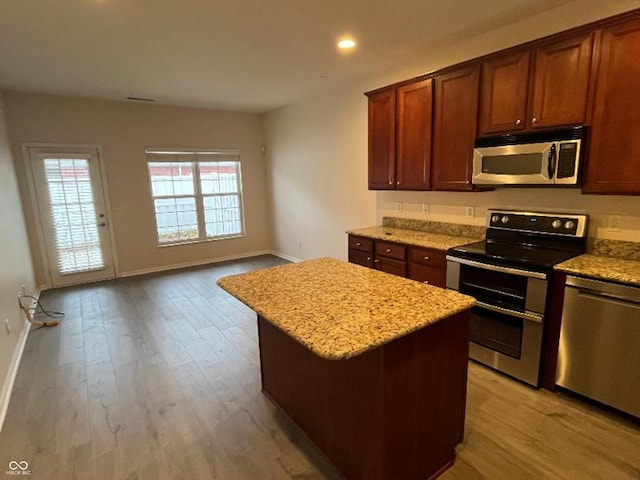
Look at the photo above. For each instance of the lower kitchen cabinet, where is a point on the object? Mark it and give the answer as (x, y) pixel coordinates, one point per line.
(389, 265)
(425, 265)
(361, 251)
(360, 258)
(428, 266)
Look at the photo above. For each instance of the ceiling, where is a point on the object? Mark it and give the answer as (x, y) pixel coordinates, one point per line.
(245, 55)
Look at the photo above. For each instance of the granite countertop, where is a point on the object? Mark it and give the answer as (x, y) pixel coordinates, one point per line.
(338, 309)
(603, 268)
(417, 238)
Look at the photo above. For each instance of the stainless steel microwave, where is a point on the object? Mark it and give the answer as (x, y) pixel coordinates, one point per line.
(540, 158)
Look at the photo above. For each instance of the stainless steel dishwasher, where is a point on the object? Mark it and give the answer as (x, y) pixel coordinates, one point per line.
(599, 354)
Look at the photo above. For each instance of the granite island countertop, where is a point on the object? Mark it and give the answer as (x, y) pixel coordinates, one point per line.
(338, 309)
(437, 241)
(603, 267)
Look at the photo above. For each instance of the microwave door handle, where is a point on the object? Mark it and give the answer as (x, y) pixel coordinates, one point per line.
(552, 161)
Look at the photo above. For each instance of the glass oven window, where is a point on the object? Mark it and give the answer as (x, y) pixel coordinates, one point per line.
(497, 331)
(496, 288)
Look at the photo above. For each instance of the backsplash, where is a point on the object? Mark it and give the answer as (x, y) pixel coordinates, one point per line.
(614, 248)
(455, 229)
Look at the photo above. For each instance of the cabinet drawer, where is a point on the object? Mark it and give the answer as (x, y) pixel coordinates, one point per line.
(391, 250)
(396, 267)
(360, 258)
(361, 243)
(429, 275)
(428, 256)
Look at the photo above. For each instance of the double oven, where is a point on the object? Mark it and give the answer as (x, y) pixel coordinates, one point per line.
(509, 275)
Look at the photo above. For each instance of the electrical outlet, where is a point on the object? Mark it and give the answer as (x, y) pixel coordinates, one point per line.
(470, 211)
(614, 223)
(7, 326)
(399, 206)
(425, 208)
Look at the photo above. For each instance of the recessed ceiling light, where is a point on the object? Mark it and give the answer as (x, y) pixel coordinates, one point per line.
(346, 43)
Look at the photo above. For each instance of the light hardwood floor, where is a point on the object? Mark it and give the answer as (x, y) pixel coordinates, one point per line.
(157, 377)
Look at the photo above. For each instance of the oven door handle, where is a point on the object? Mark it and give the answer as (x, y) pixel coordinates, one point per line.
(533, 317)
(497, 268)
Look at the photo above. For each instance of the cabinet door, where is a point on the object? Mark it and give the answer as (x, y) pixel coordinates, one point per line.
(361, 243)
(382, 140)
(395, 267)
(428, 257)
(614, 155)
(360, 258)
(391, 250)
(503, 94)
(413, 161)
(429, 275)
(454, 128)
(561, 83)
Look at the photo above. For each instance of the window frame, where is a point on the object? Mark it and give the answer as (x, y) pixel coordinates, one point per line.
(196, 157)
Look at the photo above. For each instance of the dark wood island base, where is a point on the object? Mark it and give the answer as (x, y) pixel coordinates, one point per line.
(394, 412)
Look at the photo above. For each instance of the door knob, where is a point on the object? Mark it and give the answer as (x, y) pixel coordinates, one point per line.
(102, 224)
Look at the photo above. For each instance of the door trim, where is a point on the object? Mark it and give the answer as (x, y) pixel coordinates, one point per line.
(35, 211)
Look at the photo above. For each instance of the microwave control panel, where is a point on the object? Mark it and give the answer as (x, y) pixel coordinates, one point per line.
(567, 158)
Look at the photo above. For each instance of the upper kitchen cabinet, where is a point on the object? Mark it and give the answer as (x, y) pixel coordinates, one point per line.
(400, 137)
(415, 112)
(613, 164)
(540, 88)
(503, 93)
(382, 140)
(454, 128)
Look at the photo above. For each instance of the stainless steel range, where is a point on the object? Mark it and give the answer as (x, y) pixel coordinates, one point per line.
(508, 274)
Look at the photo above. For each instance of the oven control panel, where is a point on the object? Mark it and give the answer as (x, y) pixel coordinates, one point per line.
(545, 223)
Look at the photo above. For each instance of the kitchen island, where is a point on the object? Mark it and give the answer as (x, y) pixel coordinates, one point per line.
(372, 367)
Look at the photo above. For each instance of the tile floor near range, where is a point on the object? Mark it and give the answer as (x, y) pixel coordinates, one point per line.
(157, 377)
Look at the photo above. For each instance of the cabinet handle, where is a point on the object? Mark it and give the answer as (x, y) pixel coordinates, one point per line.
(376, 261)
(390, 182)
(518, 122)
(358, 244)
(426, 258)
(388, 250)
(398, 182)
(368, 259)
(426, 281)
(534, 120)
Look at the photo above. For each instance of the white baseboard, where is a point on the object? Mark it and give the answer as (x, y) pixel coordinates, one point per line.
(285, 256)
(7, 388)
(197, 263)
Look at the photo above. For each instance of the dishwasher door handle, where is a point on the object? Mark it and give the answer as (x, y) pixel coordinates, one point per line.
(609, 298)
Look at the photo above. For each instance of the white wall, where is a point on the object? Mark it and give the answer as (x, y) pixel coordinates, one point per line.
(15, 267)
(124, 130)
(317, 152)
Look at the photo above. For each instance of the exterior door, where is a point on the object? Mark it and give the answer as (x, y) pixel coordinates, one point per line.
(71, 206)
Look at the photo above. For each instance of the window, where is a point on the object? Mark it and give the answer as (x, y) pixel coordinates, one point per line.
(197, 196)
